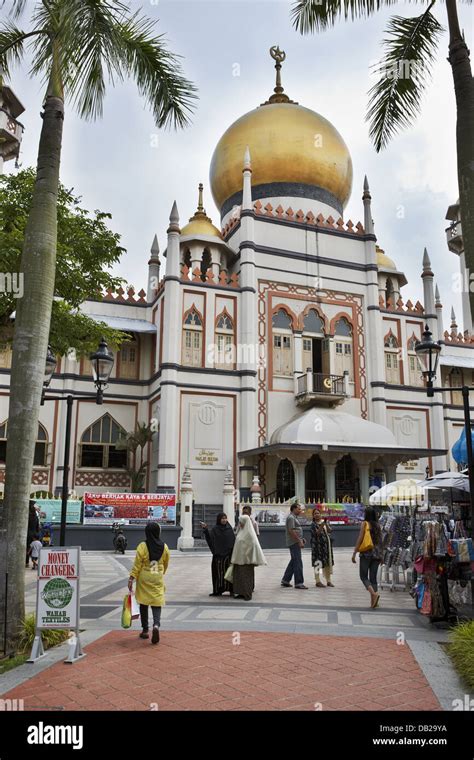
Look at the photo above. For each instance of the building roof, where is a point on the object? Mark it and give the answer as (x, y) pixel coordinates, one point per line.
(125, 323)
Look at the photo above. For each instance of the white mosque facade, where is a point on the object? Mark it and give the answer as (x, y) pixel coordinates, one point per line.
(280, 343)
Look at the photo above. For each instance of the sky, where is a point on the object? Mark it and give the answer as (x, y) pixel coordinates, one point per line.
(124, 165)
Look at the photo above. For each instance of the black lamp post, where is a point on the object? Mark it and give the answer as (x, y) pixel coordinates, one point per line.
(427, 352)
(102, 363)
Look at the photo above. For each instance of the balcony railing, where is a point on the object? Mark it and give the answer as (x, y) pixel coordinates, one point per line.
(318, 386)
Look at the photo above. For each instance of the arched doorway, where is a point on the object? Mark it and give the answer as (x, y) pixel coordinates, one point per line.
(347, 482)
(285, 481)
(314, 479)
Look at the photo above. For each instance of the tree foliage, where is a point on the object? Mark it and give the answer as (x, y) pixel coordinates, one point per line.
(87, 248)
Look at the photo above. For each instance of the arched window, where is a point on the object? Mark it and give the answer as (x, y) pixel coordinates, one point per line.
(191, 354)
(41, 446)
(313, 342)
(187, 258)
(315, 479)
(282, 344)
(97, 447)
(414, 372)
(344, 359)
(205, 263)
(285, 481)
(128, 359)
(392, 367)
(225, 356)
(347, 483)
(456, 381)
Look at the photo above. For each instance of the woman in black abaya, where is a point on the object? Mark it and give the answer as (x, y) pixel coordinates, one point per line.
(221, 541)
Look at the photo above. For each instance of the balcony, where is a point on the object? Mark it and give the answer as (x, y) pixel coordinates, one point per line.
(319, 388)
(454, 238)
(11, 132)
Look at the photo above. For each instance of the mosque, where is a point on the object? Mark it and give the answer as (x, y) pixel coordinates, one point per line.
(277, 342)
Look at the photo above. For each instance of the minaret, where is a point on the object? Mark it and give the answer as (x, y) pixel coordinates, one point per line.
(248, 423)
(153, 270)
(375, 356)
(428, 292)
(439, 314)
(366, 199)
(11, 130)
(454, 326)
(171, 330)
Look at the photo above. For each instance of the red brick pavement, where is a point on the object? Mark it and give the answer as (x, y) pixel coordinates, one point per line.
(207, 671)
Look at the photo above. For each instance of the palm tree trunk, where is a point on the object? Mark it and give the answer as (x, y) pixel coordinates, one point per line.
(464, 91)
(30, 342)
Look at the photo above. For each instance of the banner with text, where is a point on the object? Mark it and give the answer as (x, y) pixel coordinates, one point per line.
(57, 602)
(129, 508)
(50, 511)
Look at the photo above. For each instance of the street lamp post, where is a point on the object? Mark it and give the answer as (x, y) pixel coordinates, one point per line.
(427, 352)
(102, 362)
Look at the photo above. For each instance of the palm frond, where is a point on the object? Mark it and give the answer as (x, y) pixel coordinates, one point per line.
(11, 47)
(316, 15)
(157, 72)
(394, 101)
(16, 7)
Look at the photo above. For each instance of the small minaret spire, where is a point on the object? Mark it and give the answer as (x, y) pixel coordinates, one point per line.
(366, 199)
(247, 182)
(153, 270)
(439, 313)
(454, 326)
(426, 264)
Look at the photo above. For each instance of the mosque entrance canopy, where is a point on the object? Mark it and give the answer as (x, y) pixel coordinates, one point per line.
(320, 429)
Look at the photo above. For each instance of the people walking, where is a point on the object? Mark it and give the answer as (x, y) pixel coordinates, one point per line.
(247, 510)
(246, 556)
(33, 529)
(370, 547)
(221, 541)
(35, 548)
(295, 542)
(322, 557)
(151, 563)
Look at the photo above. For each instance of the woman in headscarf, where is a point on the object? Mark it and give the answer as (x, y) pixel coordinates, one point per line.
(221, 541)
(151, 563)
(322, 557)
(247, 555)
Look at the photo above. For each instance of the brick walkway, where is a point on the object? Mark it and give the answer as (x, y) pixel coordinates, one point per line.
(208, 671)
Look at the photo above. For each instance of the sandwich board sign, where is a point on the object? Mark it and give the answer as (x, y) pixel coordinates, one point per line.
(58, 597)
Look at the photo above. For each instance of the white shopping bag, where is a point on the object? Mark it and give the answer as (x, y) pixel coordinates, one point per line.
(135, 607)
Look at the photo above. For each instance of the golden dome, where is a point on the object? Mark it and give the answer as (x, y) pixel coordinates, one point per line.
(200, 224)
(292, 148)
(384, 261)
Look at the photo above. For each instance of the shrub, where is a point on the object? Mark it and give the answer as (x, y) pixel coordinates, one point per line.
(461, 650)
(51, 638)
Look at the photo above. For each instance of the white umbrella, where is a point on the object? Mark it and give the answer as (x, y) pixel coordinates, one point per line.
(405, 491)
(447, 480)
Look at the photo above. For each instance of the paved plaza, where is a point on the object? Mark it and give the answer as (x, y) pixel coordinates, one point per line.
(285, 649)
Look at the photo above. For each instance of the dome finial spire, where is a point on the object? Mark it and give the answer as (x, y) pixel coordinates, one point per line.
(279, 96)
(200, 202)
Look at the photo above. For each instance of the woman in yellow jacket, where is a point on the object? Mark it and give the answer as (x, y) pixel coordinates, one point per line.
(151, 563)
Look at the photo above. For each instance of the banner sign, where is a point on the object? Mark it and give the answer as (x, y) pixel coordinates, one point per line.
(129, 508)
(57, 600)
(336, 514)
(50, 511)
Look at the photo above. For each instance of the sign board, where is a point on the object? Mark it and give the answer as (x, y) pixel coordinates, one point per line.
(336, 514)
(129, 508)
(58, 598)
(57, 601)
(50, 511)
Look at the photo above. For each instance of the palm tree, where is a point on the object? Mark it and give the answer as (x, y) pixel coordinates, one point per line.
(404, 72)
(139, 439)
(77, 46)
